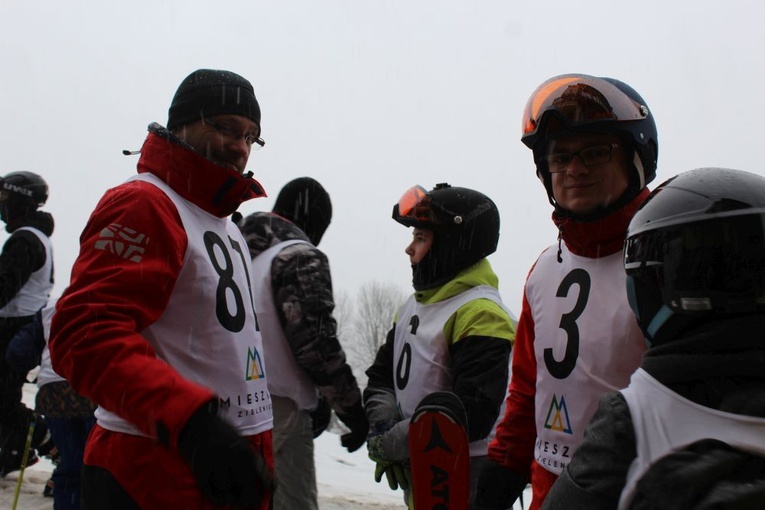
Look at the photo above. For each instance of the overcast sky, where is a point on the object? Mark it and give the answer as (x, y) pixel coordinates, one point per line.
(370, 98)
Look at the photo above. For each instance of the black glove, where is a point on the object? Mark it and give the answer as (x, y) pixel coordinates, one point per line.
(228, 469)
(320, 417)
(356, 420)
(498, 487)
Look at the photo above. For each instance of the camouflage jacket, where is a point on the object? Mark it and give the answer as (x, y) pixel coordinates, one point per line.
(302, 288)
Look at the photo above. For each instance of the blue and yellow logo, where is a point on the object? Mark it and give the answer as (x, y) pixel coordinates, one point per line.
(254, 368)
(557, 416)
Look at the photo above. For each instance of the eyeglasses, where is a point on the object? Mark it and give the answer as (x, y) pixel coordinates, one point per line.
(579, 99)
(593, 155)
(252, 140)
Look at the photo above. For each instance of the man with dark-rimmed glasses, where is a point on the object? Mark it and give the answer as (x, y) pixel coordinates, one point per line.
(158, 325)
(595, 148)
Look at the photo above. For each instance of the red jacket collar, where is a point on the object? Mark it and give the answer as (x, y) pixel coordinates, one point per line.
(601, 237)
(219, 191)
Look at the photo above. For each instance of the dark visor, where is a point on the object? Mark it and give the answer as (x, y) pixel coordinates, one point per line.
(711, 252)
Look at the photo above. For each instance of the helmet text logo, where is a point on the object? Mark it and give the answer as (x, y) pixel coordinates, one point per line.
(17, 189)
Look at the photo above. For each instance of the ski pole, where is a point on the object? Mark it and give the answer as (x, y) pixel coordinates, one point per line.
(28, 444)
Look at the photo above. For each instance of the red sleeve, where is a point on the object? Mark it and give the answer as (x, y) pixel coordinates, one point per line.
(513, 446)
(131, 252)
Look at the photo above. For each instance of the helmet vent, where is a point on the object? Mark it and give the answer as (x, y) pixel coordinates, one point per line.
(695, 304)
(727, 204)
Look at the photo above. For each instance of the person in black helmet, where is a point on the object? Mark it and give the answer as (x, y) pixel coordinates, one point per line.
(595, 146)
(157, 325)
(689, 430)
(464, 334)
(26, 279)
(308, 373)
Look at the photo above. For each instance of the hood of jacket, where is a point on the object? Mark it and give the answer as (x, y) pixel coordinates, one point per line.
(41, 220)
(480, 273)
(264, 229)
(215, 189)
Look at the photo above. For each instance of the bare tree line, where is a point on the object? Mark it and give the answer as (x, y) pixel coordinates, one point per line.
(363, 321)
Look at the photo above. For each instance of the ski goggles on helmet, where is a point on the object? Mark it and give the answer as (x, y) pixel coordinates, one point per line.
(414, 207)
(419, 208)
(579, 99)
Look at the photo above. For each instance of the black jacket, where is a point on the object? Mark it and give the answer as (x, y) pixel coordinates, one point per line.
(302, 288)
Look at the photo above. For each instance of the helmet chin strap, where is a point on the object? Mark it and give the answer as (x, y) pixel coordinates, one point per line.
(658, 321)
(638, 164)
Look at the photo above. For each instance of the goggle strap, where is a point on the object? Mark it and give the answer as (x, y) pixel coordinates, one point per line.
(640, 169)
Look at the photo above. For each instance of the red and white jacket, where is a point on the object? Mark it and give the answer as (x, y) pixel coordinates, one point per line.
(158, 319)
(577, 338)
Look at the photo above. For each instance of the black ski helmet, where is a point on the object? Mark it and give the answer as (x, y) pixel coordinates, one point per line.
(579, 102)
(306, 203)
(465, 224)
(21, 193)
(696, 248)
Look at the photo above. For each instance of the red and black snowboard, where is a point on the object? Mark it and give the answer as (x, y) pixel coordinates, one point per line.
(439, 454)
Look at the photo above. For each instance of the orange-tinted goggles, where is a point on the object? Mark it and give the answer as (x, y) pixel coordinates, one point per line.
(414, 204)
(580, 99)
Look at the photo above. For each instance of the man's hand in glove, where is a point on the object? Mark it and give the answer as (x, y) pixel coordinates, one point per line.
(498, 487)
(321, 417)
(228, 469)
(389, 441)
(355, 419)
(397, 473)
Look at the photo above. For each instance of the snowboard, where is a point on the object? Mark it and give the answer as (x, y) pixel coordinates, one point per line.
(438, 453)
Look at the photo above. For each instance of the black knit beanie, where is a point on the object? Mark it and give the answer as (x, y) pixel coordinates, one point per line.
(209, 92)
(305, 203)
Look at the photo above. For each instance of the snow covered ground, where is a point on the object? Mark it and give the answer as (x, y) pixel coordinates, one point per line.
(345, 480)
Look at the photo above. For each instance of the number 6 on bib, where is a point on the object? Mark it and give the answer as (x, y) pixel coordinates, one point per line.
(439, 454)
